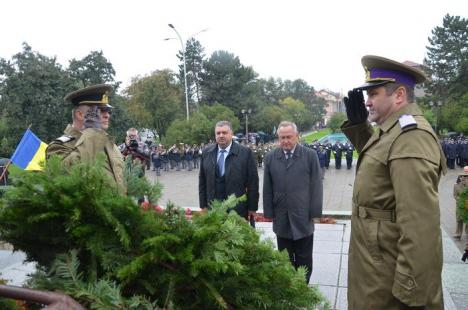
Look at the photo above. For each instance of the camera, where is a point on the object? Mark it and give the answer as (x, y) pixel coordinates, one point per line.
(133, 144)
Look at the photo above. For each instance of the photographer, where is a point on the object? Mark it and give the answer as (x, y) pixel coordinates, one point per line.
(137, 150)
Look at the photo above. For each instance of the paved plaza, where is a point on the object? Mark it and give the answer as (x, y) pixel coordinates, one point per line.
(331, 241)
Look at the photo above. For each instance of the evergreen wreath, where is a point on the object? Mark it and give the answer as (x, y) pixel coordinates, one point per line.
(106, 252)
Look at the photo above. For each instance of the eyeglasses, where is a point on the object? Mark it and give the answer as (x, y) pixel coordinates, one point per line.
(106, 110)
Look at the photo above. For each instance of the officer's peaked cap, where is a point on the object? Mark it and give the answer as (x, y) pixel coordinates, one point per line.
(91, 95)
(381, 71)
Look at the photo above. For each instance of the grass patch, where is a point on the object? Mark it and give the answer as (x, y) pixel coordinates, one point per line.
(308, 138)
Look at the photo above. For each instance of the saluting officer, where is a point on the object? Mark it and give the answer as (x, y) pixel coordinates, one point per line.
(64, 145)
(395, 254)
(94, 139)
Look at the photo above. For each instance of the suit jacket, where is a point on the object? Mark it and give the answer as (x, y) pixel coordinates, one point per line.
(241, 177)
(292, 192)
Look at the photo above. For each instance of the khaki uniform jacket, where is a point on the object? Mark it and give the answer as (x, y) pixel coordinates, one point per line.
(65, 144)
(395, 248)
(94, 141)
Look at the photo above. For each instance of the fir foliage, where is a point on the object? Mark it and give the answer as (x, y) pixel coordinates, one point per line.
(137, 186)
(108, 253)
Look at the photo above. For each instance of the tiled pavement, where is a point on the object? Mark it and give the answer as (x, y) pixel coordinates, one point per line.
(330, 260)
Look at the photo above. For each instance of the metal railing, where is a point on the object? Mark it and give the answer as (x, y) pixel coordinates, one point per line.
(52, 300)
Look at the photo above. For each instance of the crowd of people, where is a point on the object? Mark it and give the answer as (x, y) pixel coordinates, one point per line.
(456, 151)
(178, 157)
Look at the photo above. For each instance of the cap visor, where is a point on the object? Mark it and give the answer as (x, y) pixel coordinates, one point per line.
(368, 85)
(105, 106)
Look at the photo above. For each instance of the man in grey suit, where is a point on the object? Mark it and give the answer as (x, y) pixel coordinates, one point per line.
(292, 195)
(228, 168)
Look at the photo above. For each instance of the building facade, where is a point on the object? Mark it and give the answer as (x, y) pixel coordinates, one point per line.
(334, 103)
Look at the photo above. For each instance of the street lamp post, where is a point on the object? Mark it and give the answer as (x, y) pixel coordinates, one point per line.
(246, 113)
(185, 69)
(437, 105)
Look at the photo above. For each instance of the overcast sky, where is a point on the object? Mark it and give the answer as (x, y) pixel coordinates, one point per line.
(320, 41)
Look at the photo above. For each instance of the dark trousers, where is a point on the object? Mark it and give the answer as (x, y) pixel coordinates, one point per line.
(451, 163)
(300, 252)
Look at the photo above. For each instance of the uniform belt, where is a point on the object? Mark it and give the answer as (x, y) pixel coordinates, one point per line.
(375, 214)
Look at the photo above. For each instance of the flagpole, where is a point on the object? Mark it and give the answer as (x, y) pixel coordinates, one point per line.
(5, 170)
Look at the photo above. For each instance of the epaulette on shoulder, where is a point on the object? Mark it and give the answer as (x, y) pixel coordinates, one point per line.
(407, 121)
(65, 138)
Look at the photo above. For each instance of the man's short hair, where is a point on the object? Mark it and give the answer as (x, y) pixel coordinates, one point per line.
(132, 131)
(83, 108)
(287, 124)
(224, 123)
(391, 87)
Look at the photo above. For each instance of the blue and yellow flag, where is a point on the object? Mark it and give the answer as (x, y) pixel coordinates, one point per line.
(29, 152)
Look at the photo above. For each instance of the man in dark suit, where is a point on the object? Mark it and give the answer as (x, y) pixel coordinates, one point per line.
(228, 168)
(292, 195)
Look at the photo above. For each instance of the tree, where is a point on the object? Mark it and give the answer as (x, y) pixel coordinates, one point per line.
(447, 65)
(92, 69)
(300, 115)
(272, 91)
(225, 80)
(447, 53)
(218, 113)
(194, 56)
(336, 120)
(154, 101)
(269, 117)
(32, 88)
(200, 127)
(197, 130)
(455, 115)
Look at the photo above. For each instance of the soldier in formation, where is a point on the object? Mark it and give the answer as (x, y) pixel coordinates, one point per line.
(456, 151)
(338, 154)
(349, 150)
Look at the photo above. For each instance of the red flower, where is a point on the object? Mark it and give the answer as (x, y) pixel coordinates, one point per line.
(145, 205)
(158, 209)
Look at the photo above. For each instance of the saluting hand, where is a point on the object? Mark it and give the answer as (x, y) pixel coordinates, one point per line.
(93, 118)
(355, 107)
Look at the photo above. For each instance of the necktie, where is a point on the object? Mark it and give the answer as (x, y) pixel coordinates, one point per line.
(288, 156)
(221, 163)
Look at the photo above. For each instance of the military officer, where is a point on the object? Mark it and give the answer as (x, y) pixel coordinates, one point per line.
(94, 139)
(395, 255)
(64, 144)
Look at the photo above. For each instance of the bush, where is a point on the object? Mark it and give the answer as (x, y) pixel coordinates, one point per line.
(336, 121)
(108, 253)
